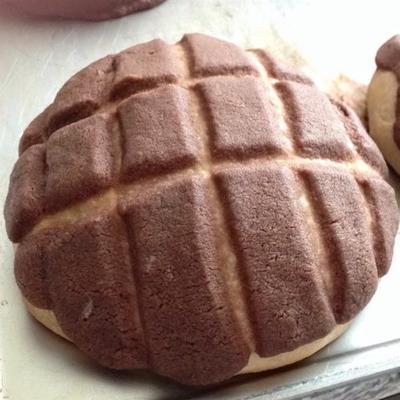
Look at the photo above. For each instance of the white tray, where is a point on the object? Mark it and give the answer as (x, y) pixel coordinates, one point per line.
(36, 57)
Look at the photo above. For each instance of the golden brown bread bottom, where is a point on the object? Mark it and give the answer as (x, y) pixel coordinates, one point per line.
(255, 364)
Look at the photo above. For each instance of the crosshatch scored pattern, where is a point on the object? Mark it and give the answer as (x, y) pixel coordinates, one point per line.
(195, 203)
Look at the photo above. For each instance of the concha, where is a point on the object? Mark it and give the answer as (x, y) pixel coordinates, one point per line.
(198, 210)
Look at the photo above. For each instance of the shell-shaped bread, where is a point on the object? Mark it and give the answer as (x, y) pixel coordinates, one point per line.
(198, 210)
(383, 104)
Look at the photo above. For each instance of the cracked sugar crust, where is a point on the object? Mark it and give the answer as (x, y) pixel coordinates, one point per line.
(187, 208)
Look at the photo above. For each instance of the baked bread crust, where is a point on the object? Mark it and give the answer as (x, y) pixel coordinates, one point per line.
(95, 10)
(185, 207)
(382, 102)
(255, 364)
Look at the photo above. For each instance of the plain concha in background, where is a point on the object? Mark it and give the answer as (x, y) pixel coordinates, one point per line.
(198, 210)
(382, 102)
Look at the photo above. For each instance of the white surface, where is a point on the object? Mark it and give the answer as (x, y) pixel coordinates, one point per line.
(36, 58)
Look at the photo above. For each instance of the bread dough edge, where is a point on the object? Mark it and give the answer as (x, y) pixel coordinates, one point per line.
(255, 364)
(381, 105)
(258, 364)
(45, 317)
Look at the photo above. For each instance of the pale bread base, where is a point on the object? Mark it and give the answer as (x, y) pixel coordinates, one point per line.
(46, 317)
(381, 104)
(255, 364)
(258, 364)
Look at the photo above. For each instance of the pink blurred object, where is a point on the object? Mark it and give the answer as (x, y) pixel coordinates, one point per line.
(84, 9)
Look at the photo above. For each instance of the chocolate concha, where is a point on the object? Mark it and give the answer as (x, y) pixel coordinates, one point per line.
(198, 210)
(84, 9)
